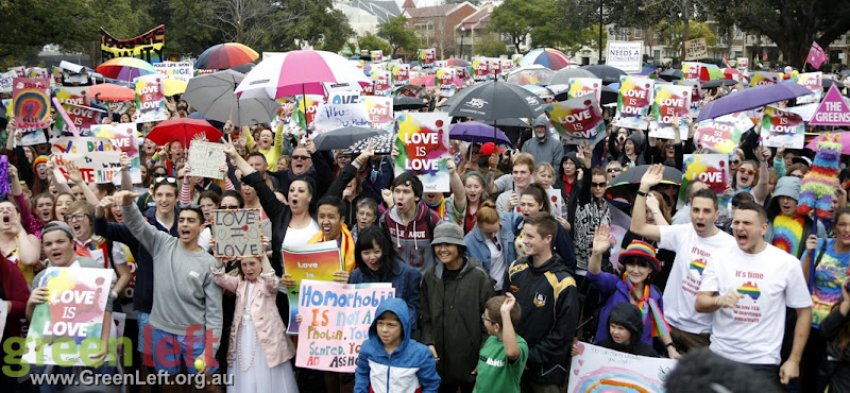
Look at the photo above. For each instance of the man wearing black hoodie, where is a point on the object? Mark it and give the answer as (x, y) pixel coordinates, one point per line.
(542, 286)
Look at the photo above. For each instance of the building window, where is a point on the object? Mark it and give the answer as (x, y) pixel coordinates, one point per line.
(639, 33)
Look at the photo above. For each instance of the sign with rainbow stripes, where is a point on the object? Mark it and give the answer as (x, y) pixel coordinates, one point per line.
(598, 369)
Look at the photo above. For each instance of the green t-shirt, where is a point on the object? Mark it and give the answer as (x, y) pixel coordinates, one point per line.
(496, 374)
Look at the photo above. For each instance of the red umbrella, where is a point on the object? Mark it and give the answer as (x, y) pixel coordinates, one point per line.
(184, 130)
(112, 92)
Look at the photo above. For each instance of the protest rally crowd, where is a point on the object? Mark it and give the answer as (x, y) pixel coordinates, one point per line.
(686, 230)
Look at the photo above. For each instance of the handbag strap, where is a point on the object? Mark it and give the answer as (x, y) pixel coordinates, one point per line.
(812, 266)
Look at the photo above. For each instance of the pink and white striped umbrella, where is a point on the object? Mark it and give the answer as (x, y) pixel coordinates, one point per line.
(299, 72)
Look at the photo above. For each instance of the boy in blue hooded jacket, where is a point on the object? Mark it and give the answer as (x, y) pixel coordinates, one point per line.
(390, 361)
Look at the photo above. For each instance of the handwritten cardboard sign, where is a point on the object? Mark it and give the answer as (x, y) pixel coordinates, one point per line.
(237, 233)
(207, 159)
(97, 158)
(696, 49)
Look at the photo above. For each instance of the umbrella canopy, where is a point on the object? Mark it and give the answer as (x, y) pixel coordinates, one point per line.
(671, 74)
(125, 68)
(751, 98)
(607, 73)
(409, 91)
(299, 72)
(530, 75)
(184, 130)
(540, 91)
(563, 76)
(224, 56)
(407, 103)
(495, 100)
(547, 57)
(214, 96)
(473, 131)
(343, 138)
(454, 62)
(717, 83)
(632, 176)
(110, 92)
(172, 87)
(845, 141)
(383, 144)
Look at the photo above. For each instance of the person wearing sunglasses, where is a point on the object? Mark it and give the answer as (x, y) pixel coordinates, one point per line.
(306, 163)
(753, 177)
(586, 213)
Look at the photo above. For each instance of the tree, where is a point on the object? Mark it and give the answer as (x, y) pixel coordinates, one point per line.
(489, 45)
(394, 30)
(320, 26)
(370, 42)
(514, 19)
(792, 24)
(672, 34)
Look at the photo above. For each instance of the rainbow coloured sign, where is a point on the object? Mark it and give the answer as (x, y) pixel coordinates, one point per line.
(318, 261)
(596, 370)
(761, 78)
(634, 101)
(63, 328)
(583, 86)
(401, 74)
(781, 128)
(577, 120)
(814, 82)
(480, 69)
(722, 135)
(422, 140)
(123, 136)
(150, 99)
(31, 103)
(671, 102)
(336, 321)
(427, 57)
(713, 171)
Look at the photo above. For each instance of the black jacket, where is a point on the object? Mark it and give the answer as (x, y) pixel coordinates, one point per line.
(548, 298)
(627, 315)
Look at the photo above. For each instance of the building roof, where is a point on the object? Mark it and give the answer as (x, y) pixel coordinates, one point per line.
(435, 11)
(408, 4)
(478, 19)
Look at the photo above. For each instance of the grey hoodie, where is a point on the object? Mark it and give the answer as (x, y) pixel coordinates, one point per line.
(184, 293)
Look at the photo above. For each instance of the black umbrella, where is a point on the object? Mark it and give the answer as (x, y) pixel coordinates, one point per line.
(827, 83)
(342, 138)
(632, 177)
(383, 144)
(495, 100)
(608, 96)
(401, 103)
(671, 74)
(717, 83)
(607, 73)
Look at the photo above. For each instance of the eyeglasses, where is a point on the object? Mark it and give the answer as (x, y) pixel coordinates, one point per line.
(74, 217)
(613, 170)
(601, 185)
(166, 179)
(300, 158)
(484, 318)
(746, 171)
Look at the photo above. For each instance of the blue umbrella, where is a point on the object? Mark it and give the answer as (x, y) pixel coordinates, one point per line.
(752, 98)
(473, 131)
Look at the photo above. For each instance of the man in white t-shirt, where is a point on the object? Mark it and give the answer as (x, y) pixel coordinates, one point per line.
(748, 294)
(696, 245)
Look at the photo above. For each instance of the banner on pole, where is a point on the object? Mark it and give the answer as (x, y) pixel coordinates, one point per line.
(625, 55)
(147, 46)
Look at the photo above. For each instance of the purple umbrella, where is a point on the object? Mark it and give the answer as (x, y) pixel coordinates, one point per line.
(752, 98)
(473, 131)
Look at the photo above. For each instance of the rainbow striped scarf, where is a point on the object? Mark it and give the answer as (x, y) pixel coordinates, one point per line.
(648, 307)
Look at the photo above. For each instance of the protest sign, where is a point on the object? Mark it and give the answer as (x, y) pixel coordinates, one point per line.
(83, 117)
(634, 101)
(377, 55)
(427, 57)
(150, 99)
(670, 102)
(696, 95)
(147, 46)
(4, 314)
(814, 82)
(207, 159)
(625, 55)
(579, 87)
(577, 120)
(333, 116)
(505, 65)
(97, 158)
(742, 64)
(382, 82)
(71, 319)
(123, 136)
(722, 135)
(31, 102)
(445, 78)
(298, 111)
(423, 145)
(833, 110)
(761, 78)
(691, 71)
(179, 70)
(598, 369)
(380, 110)
(318, 261)
(6, 80)
(401, 74)
(780, 128)
(336, 321)
(480, 69)
(237, 233)
(696, 49)
(72, 95)
(713, 171)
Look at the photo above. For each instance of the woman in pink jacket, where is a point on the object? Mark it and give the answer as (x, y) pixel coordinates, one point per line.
(260, 353)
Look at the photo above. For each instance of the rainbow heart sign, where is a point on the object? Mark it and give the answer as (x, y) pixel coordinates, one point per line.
(711, 169)
(781, 128)
(578, 120)
(446, 78)
(579, 87)
(634, 101)
(427, 57)
(722, 135)
(382, 82)
(380, 111)
(671, 102)
(600, 370)
(814, 82)
(422, 140)
(401, 74)
(150, 99)
(761, 78)
(31, 103)
(480, 69)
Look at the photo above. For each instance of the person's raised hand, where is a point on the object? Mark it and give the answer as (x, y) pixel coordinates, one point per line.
(451, 166)
(74, 173)
(125, 197)
(601, 239)
(508, 304)
(287, 281)
(229, 149)
(654, 174)
(811, 243)
(124, 161)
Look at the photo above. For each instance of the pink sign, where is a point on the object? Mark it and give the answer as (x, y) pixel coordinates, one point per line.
(833, 110)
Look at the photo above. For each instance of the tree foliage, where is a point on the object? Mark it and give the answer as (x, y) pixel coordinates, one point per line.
(514, 20)
(548, 23)
(396, 33)
(672, 34)
(792, 24)
(489, 45)
(371, 42)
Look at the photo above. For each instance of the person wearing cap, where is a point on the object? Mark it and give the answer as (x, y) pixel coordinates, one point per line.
(544, 147)
(454, 293)
(788, 230)
(635, 286)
